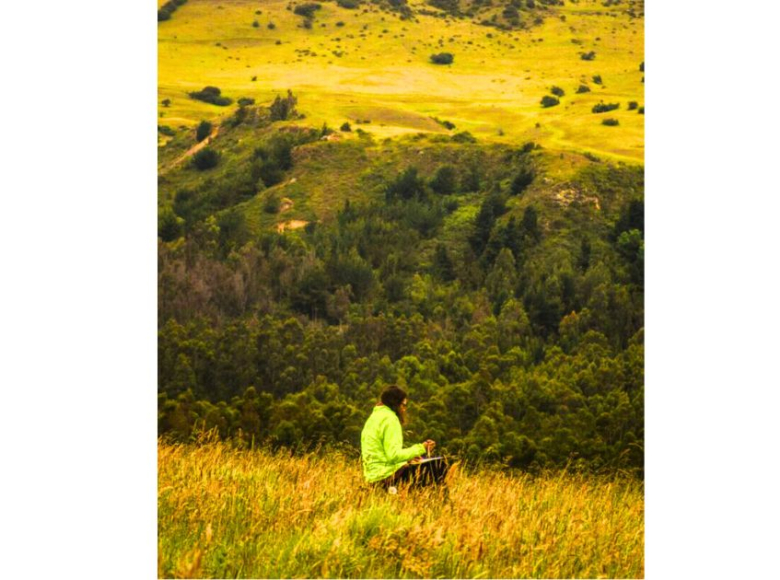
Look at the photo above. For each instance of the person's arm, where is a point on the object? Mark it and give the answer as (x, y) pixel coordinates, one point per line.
(393, 442)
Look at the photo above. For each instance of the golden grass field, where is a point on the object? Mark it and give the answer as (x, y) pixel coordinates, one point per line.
(227, 513)
(493, 88)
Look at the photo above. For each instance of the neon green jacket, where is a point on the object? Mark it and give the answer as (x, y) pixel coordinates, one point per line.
(382, 443)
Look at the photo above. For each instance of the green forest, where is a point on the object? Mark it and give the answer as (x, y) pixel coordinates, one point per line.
(501, 286)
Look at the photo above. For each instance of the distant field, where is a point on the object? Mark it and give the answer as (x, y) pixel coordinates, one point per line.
(251, 514)
(376, 67)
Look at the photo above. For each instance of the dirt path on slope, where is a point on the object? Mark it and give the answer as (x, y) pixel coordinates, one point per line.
(191, 151)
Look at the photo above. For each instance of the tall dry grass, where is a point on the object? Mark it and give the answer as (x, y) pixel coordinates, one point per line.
(228, 513)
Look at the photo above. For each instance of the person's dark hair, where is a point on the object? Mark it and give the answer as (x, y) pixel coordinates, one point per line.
(393, 396)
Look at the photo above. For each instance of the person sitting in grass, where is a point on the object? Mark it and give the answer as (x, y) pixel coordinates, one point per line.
(385, 461)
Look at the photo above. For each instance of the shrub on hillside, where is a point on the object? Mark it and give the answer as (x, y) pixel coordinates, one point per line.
(272, 204)
(166, 130)
(407, 185)
(163, 15)
(283, 108)
(348, 4)
(642, 66)
(169, 225)
(255, 24)
(442, 58)
(548, 101)
(212, 95)
(597, 79)
(583, 89)
(205, 159)
(603, 107)
(346, 127)
(444, 180)
(588, 55)
(464, 137)
(307, 9)
(641, 110)
(271, 26)
(632, 105)
(245, 101)
(203, 131)
(610, 122)
(557, 91)
(522, 180)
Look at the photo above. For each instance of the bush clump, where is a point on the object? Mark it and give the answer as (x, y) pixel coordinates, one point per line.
(212, 95)
(346, 127)
(464, 137)
(610, 122)
(166, 130)
(588, 55)
(522, 180)
(348, 4)
(557, 91)
(603, 107)
(205, 159)
(307, 9)
(203, 131)
(444, 180)
(442, 58)
(632, 105)
(283, 108)
(548, 101)
(272, 204)
(245, 101)
(583, 89)
(641, 110)
(597, 79)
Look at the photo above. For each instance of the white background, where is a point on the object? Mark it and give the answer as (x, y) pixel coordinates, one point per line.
(77, 308)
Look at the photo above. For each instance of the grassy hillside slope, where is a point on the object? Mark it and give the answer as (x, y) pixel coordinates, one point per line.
(370, 64)
(252, 514)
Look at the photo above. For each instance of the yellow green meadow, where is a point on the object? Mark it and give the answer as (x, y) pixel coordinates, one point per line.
(375, 66)
(231, 513)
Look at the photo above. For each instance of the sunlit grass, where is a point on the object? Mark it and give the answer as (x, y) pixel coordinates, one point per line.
(493, 88)
(227, 513)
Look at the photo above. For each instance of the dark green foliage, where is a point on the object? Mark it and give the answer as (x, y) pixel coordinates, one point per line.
(203, 131)
(346, 127)
(549, 101)
(523, 178)
(642, 66)
(583, 89)
(163, 15)
(255, 24)
(408, 185)
(442, 264)
(641, 110)
(518, 332)
(169, 226)
(603, 107)
(588, 55)
(211, 95)
(245, 101)
(271, 26)
(449, 6)
(632, 105)
(205, 159)
(272, 204)
(444, 180)
(348, 4)
(283, 108)
(166, 102)
(610, 122)
(557, 91)
(166, 130)
(442, 58)
(307, 9)
(464, 137)
(597, 79)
